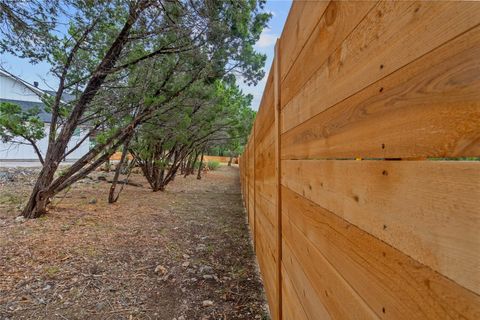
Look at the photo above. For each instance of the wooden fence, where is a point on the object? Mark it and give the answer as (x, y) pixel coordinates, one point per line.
(219, 159)
(350, 215)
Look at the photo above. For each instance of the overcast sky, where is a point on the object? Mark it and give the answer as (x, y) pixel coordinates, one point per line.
(279, 9)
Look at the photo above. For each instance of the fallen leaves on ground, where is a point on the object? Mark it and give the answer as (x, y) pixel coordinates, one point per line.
(180, 254)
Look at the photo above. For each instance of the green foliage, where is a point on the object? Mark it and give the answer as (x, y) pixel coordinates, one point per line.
(15, 122)
(163, 71)
(213, 165)
(34, 20)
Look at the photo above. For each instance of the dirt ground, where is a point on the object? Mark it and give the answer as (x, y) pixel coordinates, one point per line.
(180, 254)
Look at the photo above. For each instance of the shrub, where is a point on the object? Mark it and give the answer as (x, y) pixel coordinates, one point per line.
(213, 165)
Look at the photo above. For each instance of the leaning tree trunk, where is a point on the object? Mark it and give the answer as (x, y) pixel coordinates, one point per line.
(190, 164)
(40, 196)
(199, 174)
(191, 170)
(44, 189)
(111, 196)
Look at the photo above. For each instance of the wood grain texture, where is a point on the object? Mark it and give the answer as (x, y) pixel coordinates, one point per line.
(321, 288)
(345, 239)
(304, 288)
(338, 20)
(265, 165)
(301, 20)
(267, 207)
(427, 209)
(264, 254)
(292, 307)
(392, 35)
(430, 108)
(265, 115)
(394, 285)
(250, 186)
(277, 199)
(268, 228)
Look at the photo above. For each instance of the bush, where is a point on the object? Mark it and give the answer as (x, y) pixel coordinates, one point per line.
(213, 165)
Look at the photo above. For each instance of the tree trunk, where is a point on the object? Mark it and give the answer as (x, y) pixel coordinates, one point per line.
(41, 194)
(199, 174)
(191, 170)
(111, 196)
(44, 189)
(230, 160)
(107, 165)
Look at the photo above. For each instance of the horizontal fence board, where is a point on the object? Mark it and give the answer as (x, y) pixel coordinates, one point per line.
(303, 287)
(430, 108)
(267, 208)
(265, 114)
(219, 159)
(292, 307)
(265, 174)
(251, 208)
(265, 145)
(266, 258)
(326, 289)
(392, 35)
(339, 19)
(394, 285)
(427, 209)
(394, 235)
(266, 191)
(264, 254)
(268, 230)
(301, 20)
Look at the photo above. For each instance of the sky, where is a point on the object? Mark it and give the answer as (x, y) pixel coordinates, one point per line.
(266, 44)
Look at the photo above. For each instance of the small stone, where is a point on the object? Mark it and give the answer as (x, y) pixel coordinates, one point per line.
(20, 219)
(185, 264)
(92, 201)
(160, 269)
(7, 177)
(204, 269)
(186, 256)
(181, 318)
(207, 277)
(207, 303)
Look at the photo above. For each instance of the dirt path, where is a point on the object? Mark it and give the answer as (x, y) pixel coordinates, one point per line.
(181, 254)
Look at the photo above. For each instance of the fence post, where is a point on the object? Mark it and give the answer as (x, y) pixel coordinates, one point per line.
(254, 192)
(277, 82)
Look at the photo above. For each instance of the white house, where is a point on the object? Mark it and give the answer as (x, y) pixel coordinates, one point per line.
(17, 91)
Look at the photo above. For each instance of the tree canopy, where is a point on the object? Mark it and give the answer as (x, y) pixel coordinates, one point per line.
(159, 73)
